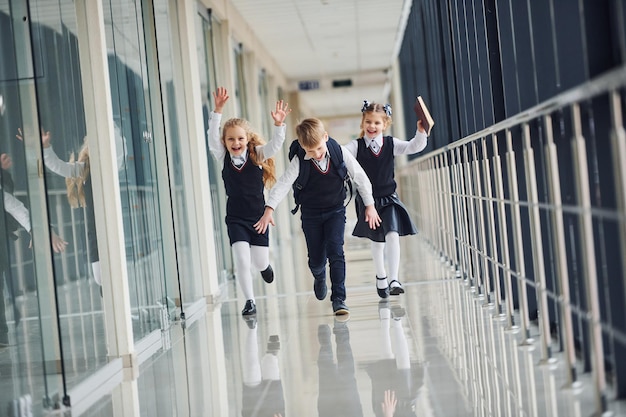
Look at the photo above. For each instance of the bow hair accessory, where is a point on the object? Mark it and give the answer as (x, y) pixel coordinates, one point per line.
(366, 104)
(387, 109)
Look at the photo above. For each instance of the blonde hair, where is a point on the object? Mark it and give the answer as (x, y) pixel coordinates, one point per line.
(254, 140)
(76, 185)
(375, 108)
(310, 132)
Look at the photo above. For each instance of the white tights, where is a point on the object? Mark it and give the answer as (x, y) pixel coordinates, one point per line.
(247, 257)
(389, 249)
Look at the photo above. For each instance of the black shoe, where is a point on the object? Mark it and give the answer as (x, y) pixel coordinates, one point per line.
(319, 287)
(268, 274)
(273, 344)
(249, 309)
(382, 292)
(339, 307)
(395, 290)
(250, 321)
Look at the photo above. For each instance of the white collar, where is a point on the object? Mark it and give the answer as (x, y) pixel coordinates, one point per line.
(378, 139)
(243, 157)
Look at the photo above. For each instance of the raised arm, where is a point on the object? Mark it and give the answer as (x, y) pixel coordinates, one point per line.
(215, 118)
(415, 145)
(272, 147)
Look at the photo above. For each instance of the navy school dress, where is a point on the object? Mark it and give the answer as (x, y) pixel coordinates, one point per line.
(380, 170)
(245, 203)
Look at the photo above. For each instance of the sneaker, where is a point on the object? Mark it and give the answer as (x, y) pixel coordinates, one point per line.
(319, 287)
(249, 309)
(268, 274)
(339, 307)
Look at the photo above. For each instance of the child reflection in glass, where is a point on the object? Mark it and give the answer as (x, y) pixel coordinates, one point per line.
(262, 391)
(79, 188)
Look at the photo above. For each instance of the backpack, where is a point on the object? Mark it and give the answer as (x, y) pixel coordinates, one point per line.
(336, 155)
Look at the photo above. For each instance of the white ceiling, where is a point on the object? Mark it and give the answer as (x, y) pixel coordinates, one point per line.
(326, 40)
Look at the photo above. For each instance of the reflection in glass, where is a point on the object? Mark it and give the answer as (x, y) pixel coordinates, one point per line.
(338, 393)
(132, 112)
(262, 387)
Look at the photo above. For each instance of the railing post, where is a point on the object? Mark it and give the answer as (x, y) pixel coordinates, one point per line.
(560, 253)
(537, 245)
(481, 239)
(504, 236)
(588, 257)
(518, 239)
(491, 222)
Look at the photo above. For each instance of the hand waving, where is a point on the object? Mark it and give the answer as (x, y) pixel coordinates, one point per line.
(221, 97)
(281, 112)
(45, 137)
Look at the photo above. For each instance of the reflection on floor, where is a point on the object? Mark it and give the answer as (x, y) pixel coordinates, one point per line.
(437, 348)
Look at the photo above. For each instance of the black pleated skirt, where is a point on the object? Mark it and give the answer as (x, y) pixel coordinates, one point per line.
(395, 218)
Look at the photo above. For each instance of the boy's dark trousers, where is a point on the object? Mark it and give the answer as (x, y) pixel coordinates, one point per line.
(324, 233)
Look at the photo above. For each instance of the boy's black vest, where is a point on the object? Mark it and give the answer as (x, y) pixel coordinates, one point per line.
(327, 193)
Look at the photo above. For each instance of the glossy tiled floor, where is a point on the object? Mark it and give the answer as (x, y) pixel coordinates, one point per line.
(296, 359)
(438, 347)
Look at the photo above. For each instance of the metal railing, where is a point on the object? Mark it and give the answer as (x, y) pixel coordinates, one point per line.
(530, 214)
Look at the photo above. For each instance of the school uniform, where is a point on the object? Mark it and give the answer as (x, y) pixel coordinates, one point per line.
(377, 157)
(243, 182)
(323, 213)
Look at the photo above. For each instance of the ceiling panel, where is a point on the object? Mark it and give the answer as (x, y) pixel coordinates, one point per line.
(325, 40)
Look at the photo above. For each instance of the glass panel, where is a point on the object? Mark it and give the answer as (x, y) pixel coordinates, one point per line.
(132, 114)
(206, 60)
(178, 154)
(240, 83)
(30, 355)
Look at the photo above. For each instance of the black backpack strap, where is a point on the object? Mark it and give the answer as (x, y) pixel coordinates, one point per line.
(336, 154)
(295, 150)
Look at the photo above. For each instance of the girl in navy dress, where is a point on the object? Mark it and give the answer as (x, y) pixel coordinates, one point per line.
(248, 167)
(375, 153)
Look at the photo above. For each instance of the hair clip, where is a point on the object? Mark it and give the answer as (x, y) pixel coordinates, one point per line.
(366, 104)
(387, 109)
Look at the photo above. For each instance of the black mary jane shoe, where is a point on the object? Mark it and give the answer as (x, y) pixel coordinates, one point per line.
(382, 292)
(268, 274)
(395, 290)
(249, 309)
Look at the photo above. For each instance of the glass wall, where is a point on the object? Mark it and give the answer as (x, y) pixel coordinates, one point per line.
(207, 37)
(177, 153)
(52, 321)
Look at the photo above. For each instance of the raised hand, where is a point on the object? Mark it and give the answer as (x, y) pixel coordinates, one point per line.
(221, 97)
(45, 137)
(281, 112)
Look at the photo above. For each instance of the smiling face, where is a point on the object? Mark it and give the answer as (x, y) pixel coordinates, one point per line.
(373, 123)
(235, 140)
(317, 151)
